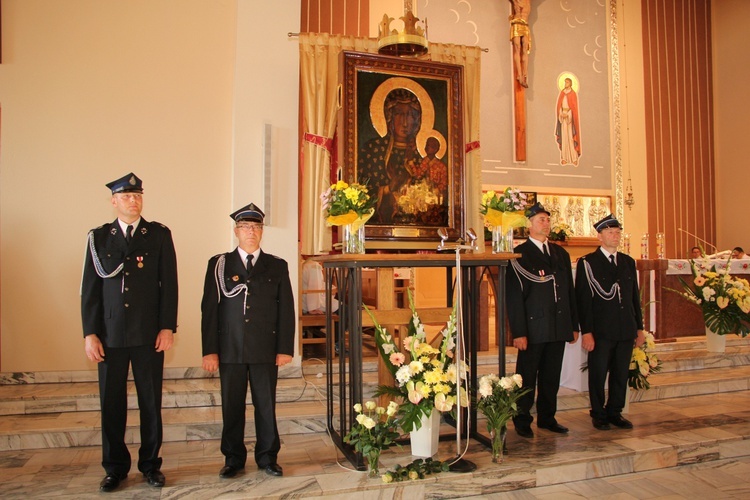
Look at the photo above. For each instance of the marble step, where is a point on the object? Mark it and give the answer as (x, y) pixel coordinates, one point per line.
(192, 391)
(84, 396)
(81, 428)
(62, 430)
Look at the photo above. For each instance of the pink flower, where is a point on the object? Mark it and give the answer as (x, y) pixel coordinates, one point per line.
(397, 359)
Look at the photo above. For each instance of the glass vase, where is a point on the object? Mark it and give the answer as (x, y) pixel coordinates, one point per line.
(502, 239)
(353, 240)
(373, 463)
(497, 436)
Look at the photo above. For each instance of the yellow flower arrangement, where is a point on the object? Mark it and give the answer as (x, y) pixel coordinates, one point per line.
(504, 209)
(425, 375)
(345, 203)
(724, 299)
(643, 363)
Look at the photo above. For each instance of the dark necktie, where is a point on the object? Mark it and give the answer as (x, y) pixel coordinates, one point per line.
(545, 250)
(128, 234)
(249, 263)
(612, 260)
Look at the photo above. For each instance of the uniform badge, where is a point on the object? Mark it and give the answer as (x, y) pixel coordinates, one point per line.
(235, 278)
(140, 261)
(144, 230)
(113, 231)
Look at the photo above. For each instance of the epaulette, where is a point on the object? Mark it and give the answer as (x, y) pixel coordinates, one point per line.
(158, 224)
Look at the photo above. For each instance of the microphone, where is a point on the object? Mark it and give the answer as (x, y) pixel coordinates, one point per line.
(698, 238)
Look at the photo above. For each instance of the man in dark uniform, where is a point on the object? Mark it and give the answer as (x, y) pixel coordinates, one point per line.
(129, 311)
(609, 306)
(542, 316)
(248, 329)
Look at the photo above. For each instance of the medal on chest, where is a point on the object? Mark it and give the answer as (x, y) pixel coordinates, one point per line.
(140, 261)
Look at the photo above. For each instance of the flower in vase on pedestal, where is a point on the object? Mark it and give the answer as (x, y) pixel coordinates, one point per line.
(349, 206)
(373, 432)
(723, 299)
(498, 402)
(502, 213)
(425, 376)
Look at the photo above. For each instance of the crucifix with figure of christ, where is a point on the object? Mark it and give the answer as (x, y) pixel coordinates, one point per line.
(520, 37)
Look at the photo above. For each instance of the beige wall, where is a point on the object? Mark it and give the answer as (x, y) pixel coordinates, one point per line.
(731, 60)
(90, 90)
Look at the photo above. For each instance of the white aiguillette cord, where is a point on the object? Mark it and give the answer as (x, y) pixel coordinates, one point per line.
(522, 272)
(221, 287)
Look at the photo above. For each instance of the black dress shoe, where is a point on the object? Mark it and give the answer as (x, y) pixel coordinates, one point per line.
(273, 470)
(229, 471)
(524, 431)
(620, 422)
(110, 483)
(601, 424)
(560, 429)
(155, 478)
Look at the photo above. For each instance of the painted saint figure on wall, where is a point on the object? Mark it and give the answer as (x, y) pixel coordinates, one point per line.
(568, 125)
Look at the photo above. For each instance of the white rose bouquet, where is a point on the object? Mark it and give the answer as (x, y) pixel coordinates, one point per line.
(374, 431)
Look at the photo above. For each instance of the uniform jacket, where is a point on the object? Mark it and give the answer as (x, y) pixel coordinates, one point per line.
(130, 308)
(616, 319)
(532, 310)
(253, 328)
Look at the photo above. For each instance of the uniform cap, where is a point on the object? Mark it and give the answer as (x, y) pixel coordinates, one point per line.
(608, 221)
(536, 208)
(127, 184)
(249, 212)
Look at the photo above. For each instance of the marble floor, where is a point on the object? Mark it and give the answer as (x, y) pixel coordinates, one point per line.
(689, 447)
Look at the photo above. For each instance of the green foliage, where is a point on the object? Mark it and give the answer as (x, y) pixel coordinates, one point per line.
(342, 198)
(375, 428)
(418, 469)
(497, 398)
(510, 200)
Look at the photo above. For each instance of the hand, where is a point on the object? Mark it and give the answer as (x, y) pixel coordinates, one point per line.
(211, 362)
(521, 343)
(575, 338)
(164, 340)
(587, 342)
(93, 348)
(282, 359)
(640, 339)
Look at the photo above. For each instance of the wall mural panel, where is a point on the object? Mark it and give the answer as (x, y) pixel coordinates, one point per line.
(568, 128)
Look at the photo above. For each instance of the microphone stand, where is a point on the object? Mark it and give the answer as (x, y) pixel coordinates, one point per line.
(698, 238)
(459, 464)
